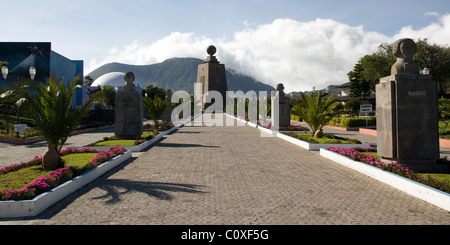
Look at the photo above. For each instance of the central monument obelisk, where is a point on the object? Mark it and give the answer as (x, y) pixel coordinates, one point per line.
(211, 76)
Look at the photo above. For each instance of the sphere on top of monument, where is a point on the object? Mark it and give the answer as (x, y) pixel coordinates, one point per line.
(211, 50)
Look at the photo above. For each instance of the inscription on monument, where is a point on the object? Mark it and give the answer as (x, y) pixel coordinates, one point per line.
(417, 93)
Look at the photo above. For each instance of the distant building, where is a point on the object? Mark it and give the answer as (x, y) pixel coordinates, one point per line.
(345, 94)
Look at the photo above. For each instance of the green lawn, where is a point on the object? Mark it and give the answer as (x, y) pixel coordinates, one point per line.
(17, 180)
(121, 142)
(326, 139)
(114, 142)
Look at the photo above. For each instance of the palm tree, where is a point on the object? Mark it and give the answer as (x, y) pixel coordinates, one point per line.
(155, 108)
(49, 107)
(316, 112)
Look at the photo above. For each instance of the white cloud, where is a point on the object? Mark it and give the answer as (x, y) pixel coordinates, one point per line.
(298, 54)
(431, 14)
(435, 32)
(174, 45)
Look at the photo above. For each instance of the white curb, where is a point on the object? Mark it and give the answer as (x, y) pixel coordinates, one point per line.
(421, 191)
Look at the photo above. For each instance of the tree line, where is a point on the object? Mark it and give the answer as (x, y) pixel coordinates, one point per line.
(370, 68)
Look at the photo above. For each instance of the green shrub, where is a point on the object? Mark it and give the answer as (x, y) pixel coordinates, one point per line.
(335, 121)
(352, 122)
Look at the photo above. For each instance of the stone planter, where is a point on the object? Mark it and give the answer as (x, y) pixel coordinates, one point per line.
(316, 146)
(29, 208)
(421, 191)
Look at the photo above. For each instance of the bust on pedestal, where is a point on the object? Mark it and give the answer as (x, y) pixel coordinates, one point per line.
(407, 118)
(282, 111)
(128, 111)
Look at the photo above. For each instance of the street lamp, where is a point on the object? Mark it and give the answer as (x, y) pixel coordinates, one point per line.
(4, 72)
(32, 72)
(426, 71)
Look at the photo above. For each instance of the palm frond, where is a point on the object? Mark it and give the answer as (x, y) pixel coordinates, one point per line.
(49, 107)
(315, 111)
(155, 108)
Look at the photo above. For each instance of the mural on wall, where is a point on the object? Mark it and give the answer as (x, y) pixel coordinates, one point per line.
(22, 56)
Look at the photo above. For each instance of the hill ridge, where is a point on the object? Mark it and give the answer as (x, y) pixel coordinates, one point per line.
(178, 74)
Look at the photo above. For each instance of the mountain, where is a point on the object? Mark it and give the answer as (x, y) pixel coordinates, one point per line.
(178, 74)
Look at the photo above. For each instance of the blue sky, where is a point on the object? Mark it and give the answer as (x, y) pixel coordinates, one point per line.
(100, 31)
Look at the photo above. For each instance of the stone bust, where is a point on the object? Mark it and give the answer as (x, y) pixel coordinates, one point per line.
(168, 95)
(404, 50)
(129, 78)
(280, 89)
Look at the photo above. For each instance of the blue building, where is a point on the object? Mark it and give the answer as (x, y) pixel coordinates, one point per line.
(21, 56)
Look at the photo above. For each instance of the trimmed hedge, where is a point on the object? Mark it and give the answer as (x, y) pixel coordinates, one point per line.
(348, 122)
(354, 122)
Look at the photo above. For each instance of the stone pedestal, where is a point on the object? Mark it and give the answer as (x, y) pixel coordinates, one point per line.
(128, 111)
(407, 121)
(166, 117)
(282, 110)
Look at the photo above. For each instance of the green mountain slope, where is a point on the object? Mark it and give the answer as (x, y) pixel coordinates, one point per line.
(178, 74)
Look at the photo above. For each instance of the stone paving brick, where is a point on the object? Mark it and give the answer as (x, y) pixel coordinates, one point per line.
(232, 176)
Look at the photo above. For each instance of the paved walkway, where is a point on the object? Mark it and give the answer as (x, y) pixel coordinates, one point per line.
(232, 176)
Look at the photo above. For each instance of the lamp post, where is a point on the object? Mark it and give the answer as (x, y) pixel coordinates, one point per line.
(4, 72)
(32, 72)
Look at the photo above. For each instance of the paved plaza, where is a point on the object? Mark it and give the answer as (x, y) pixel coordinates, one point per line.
(227, 175)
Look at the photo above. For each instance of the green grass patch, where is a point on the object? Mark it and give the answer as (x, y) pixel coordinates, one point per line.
(326, 139)
(114, 141)
(17, 180)
(444, 178)
(373, 154)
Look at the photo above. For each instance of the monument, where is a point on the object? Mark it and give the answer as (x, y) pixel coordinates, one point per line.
(166, 117)
(211, 76)
(407, 117)
(128, 110)
(280, 111)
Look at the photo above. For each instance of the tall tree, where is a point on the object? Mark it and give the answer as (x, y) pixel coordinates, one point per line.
(152, 90)
(436, 58)
(359, 87)
(377, 65)
(432, 56)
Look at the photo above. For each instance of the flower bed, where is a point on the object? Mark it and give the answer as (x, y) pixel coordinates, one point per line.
(57, 177)
(59, 184)
(423, 187)
(161, 127)
(358, 154)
